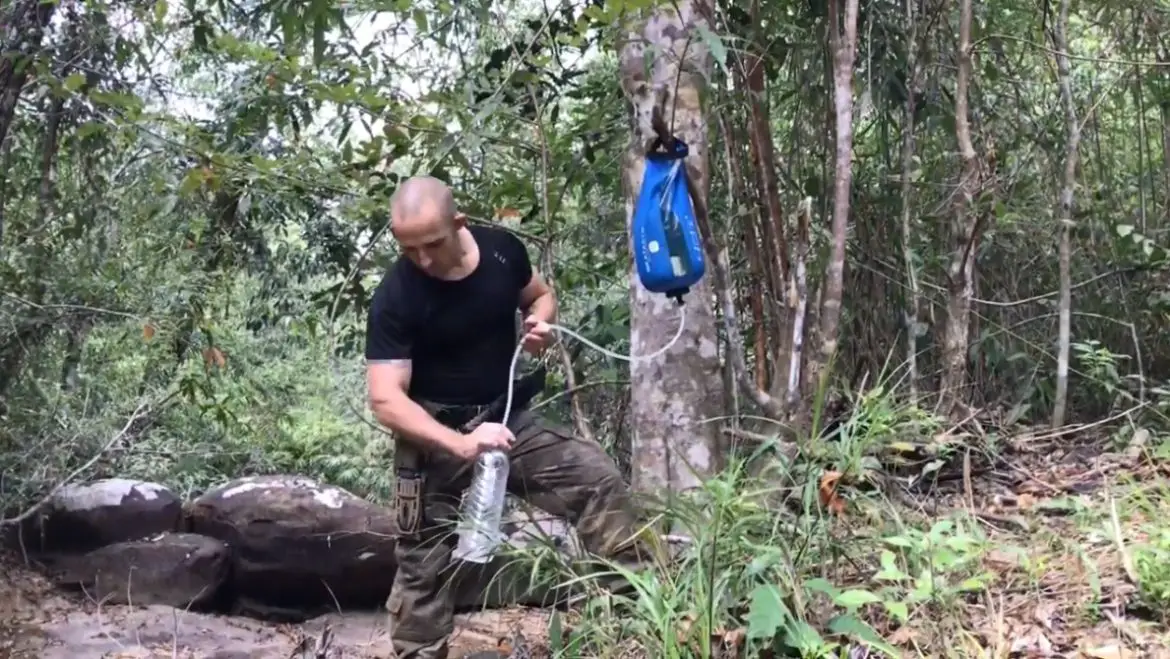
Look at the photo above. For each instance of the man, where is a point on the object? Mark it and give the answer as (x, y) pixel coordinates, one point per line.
(439, 343)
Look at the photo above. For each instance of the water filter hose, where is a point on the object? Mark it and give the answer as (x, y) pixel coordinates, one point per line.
(483, 505)
(560, 329)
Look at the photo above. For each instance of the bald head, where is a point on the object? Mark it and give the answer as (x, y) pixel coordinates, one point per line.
(422, 199)
(424, 222)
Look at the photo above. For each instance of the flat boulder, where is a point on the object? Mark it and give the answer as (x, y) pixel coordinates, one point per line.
(182, 570)
(85, 516)
(299, 546)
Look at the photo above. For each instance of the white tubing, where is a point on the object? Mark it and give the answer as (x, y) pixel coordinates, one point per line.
(682, 317)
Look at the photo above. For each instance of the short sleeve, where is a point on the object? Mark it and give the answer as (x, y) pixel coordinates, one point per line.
(517, 255)
(388, 329)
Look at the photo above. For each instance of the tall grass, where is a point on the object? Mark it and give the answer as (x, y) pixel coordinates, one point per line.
(767, 571)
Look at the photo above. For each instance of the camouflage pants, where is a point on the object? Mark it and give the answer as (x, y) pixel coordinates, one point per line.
(551, 469)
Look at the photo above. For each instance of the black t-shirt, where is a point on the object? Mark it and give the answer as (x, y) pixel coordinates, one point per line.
(458, 335)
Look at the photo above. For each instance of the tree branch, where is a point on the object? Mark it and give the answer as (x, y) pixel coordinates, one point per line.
(139, 412)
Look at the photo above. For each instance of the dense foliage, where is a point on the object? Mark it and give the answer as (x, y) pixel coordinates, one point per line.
(193, 199)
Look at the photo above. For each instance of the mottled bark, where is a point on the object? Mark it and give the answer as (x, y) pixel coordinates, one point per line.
(673, 395)
(1164, 109)
(1065, 215)
(961, 273)
(912, 290)
(800, 275)
(843, 42)
(1146, 171)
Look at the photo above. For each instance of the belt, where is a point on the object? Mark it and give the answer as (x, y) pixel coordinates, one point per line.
(457, 416)
(409, 461)
(466, 418)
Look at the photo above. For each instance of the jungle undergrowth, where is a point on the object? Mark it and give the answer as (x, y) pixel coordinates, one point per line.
(780, 565)
(775, 565)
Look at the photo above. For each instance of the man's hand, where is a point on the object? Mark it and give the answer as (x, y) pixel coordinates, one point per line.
(537, 335)
(485, 437)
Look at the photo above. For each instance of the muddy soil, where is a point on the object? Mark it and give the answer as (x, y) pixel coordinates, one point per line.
(38, 621)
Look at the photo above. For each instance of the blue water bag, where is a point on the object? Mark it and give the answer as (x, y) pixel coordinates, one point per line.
(668, 251)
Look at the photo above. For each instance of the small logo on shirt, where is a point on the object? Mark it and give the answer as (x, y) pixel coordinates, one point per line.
(500, 258)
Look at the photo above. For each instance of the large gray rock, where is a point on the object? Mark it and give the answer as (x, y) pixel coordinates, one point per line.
(85, 516)
(299, 546)
(182, 570)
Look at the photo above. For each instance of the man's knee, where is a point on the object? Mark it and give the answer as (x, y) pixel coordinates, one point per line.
(611, 495)
(607, 521)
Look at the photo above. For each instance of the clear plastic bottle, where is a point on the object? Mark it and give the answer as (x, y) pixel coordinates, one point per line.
(483, 509)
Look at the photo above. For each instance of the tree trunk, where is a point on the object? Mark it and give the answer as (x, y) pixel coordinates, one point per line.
(1164, 107)
(750, 68)
(963, 234)
(800, 313)
(674, 394)
(912, 292)
(723, 283)
(1145, 170)
(1065, 215)
(22, 34)
(843, 42)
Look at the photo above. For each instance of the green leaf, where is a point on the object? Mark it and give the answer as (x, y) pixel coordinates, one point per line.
(1124, 230)
(191, 181)
(420, 21)
(821, 585)
(898, 541)
(288, 27)
(117, 100)
(803, 637)
(715, 45)
(898, 611)
(890, 570)
(168, 206)
(854, 598)
(89, 128)
(555, 634)
(319, 26)
(74, 81)
(856, 629)
(160, 10)
(767, 612)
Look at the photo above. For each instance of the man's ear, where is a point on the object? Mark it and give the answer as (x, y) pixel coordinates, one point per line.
(460, 220)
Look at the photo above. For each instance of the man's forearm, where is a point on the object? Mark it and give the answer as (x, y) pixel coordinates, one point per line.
(544, 308)
(406, 417)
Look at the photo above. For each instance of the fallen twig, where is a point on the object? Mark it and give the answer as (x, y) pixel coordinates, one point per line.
(1080, 427)
(1119, 541)
(786, 448)
(314, 648)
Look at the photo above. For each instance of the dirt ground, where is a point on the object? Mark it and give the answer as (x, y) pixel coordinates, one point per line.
(1066, 517)
(38, 621)
(1064, 524)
